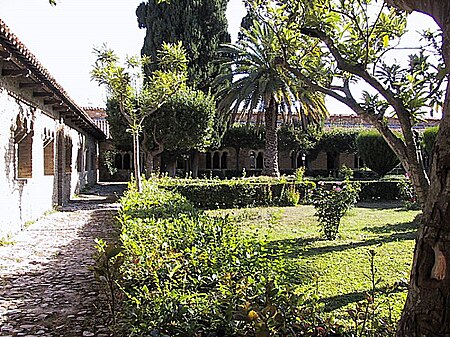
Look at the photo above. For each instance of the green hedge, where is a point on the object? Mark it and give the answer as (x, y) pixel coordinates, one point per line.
(379, 190)
(214, 194)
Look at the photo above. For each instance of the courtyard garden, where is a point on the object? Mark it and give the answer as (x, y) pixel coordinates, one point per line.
(255, 270)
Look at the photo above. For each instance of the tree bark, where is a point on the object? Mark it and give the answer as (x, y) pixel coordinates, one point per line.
(271, 143)
(137, 161)
(194, 163)
(427, 307)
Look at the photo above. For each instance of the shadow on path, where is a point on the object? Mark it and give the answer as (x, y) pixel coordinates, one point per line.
(46, 288)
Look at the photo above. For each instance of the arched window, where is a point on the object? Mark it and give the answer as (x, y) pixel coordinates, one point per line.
(118, 161)
(260, 161)
(224, 161)
(208, 160)
(216, 160)
(126, 161)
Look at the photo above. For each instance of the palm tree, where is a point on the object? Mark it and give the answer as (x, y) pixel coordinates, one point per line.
(260, 83)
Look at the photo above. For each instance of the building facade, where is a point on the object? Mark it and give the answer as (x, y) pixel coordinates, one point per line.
(48, 144)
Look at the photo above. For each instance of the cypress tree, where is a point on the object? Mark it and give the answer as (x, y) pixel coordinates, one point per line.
(201, 25)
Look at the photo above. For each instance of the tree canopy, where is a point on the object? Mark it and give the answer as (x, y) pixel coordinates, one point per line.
(200, 24)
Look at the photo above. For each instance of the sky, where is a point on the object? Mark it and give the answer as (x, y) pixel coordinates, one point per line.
(62, 38)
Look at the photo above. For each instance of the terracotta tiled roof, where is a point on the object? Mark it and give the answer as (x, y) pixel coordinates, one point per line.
(95, 112)
(21, 53)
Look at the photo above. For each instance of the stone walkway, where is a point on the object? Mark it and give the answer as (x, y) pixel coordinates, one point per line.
(46, 288)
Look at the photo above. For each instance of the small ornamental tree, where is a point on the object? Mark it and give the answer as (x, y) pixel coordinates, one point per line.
(375, 152)
(138, 98)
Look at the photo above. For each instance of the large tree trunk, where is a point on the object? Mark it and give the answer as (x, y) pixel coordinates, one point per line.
(271, 144)
(427, 309)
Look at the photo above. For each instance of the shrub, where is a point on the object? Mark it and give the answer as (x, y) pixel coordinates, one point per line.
(375, 152)
(429, 138)
(331, 204)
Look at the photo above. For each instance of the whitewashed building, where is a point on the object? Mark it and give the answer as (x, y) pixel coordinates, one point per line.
(48, 144)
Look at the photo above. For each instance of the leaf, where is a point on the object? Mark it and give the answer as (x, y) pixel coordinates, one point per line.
(385, 41)
(113, 251)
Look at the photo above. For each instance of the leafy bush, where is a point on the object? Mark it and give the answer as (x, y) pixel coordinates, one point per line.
(375, 152)
(331, 204)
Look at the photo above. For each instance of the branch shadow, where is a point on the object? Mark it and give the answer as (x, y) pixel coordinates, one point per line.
(294, 248)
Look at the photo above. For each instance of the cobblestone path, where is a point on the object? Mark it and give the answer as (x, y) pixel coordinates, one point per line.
(46, 288)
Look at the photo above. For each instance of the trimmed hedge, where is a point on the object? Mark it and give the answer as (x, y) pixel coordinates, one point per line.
(239, 193)
(379, 190)
(213, 194)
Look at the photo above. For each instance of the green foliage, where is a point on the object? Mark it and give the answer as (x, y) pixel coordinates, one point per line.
(107, 271)
(138, 98)
(407, 194)
(200, 25)
(243, 136)
(118, 126)
(346, 172)
(429, 138)
(294, 137)
(185, 272)
(375, 152)
(185, 122)
(332, 204)
(212, 194)
(299, 174)
(379, 190)
(338, 140)
(108, 158)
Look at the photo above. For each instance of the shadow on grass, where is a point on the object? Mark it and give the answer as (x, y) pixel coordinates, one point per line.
(339, 301)
(379, 205)
(397, 228)
(293, 248)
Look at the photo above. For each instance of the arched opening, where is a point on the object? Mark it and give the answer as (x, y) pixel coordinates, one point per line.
(260, 161)
(126, 161)
(224, 161)
(216, 161)
(118, 161)
(208, 160)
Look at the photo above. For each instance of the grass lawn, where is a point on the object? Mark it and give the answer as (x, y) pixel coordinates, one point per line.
(340, 269)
